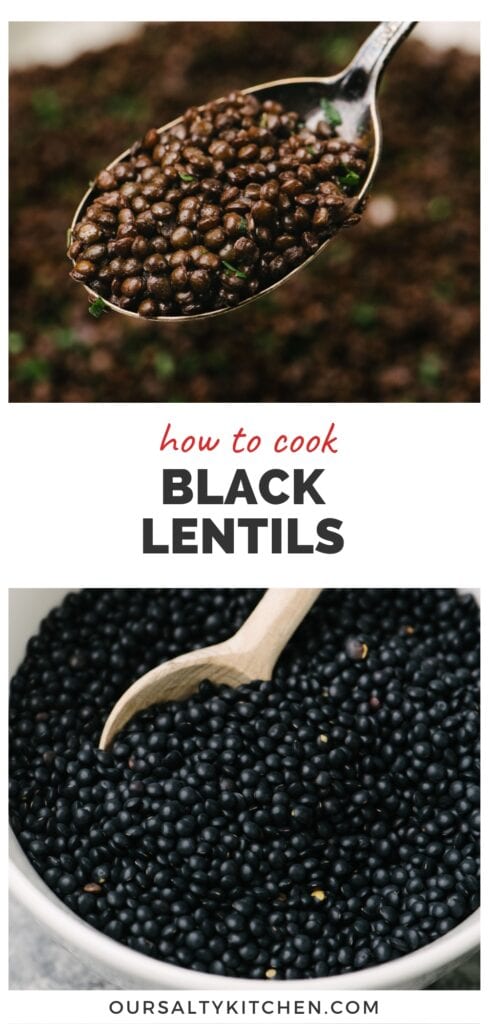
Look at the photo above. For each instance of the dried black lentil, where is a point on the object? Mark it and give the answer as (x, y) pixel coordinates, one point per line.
(221, 834)
(230, 200)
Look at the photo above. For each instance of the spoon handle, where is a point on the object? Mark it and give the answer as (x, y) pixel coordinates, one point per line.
(262, 637)
(372, 57)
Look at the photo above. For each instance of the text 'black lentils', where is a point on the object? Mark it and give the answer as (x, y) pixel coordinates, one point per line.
(215, 209)
(317, 824)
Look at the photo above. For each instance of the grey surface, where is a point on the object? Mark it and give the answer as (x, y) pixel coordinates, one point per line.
(38, 962)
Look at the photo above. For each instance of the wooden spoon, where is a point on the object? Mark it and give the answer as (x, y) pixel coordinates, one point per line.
(250, 654)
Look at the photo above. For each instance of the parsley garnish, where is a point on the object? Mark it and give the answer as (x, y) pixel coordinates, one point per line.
(96, 308)
(350, 179)
(186, 177)
(330, 113)
(243, 225)
(233, 270)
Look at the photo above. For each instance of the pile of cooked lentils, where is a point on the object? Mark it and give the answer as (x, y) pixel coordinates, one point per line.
(217, 208)
(321, 823)
(389, 313)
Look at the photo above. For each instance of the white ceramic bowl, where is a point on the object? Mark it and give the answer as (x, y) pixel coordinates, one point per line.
(123, 967)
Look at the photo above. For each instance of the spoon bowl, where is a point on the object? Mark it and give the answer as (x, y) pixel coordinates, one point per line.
(353, 94)
(250, 654)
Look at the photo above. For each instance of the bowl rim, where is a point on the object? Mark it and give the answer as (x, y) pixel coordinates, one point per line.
(37, 898)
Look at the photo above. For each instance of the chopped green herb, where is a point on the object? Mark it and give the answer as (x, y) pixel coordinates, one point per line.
(233, 270)
(263, 121)
(439, 208)
(330, 113)
(430, 369)
(364, 315)
(311, 150)
(350, 179)
(96, 308)
(243, 225)
(127, 108)
(164, 364)
(16, 343)
(32, 370)
(47, 107)
(338, 50)
(444, 290)
(186, 177)
(64, 337)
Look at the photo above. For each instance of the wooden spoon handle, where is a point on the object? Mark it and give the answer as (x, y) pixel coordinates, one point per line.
(262, 637)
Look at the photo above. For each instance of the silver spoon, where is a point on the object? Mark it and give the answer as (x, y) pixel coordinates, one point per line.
(353, 94)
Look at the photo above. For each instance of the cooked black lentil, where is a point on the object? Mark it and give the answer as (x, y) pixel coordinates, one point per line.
(217, 208)
(317, 824)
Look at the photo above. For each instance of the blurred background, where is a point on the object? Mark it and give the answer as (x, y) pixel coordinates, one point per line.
(390, 312)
